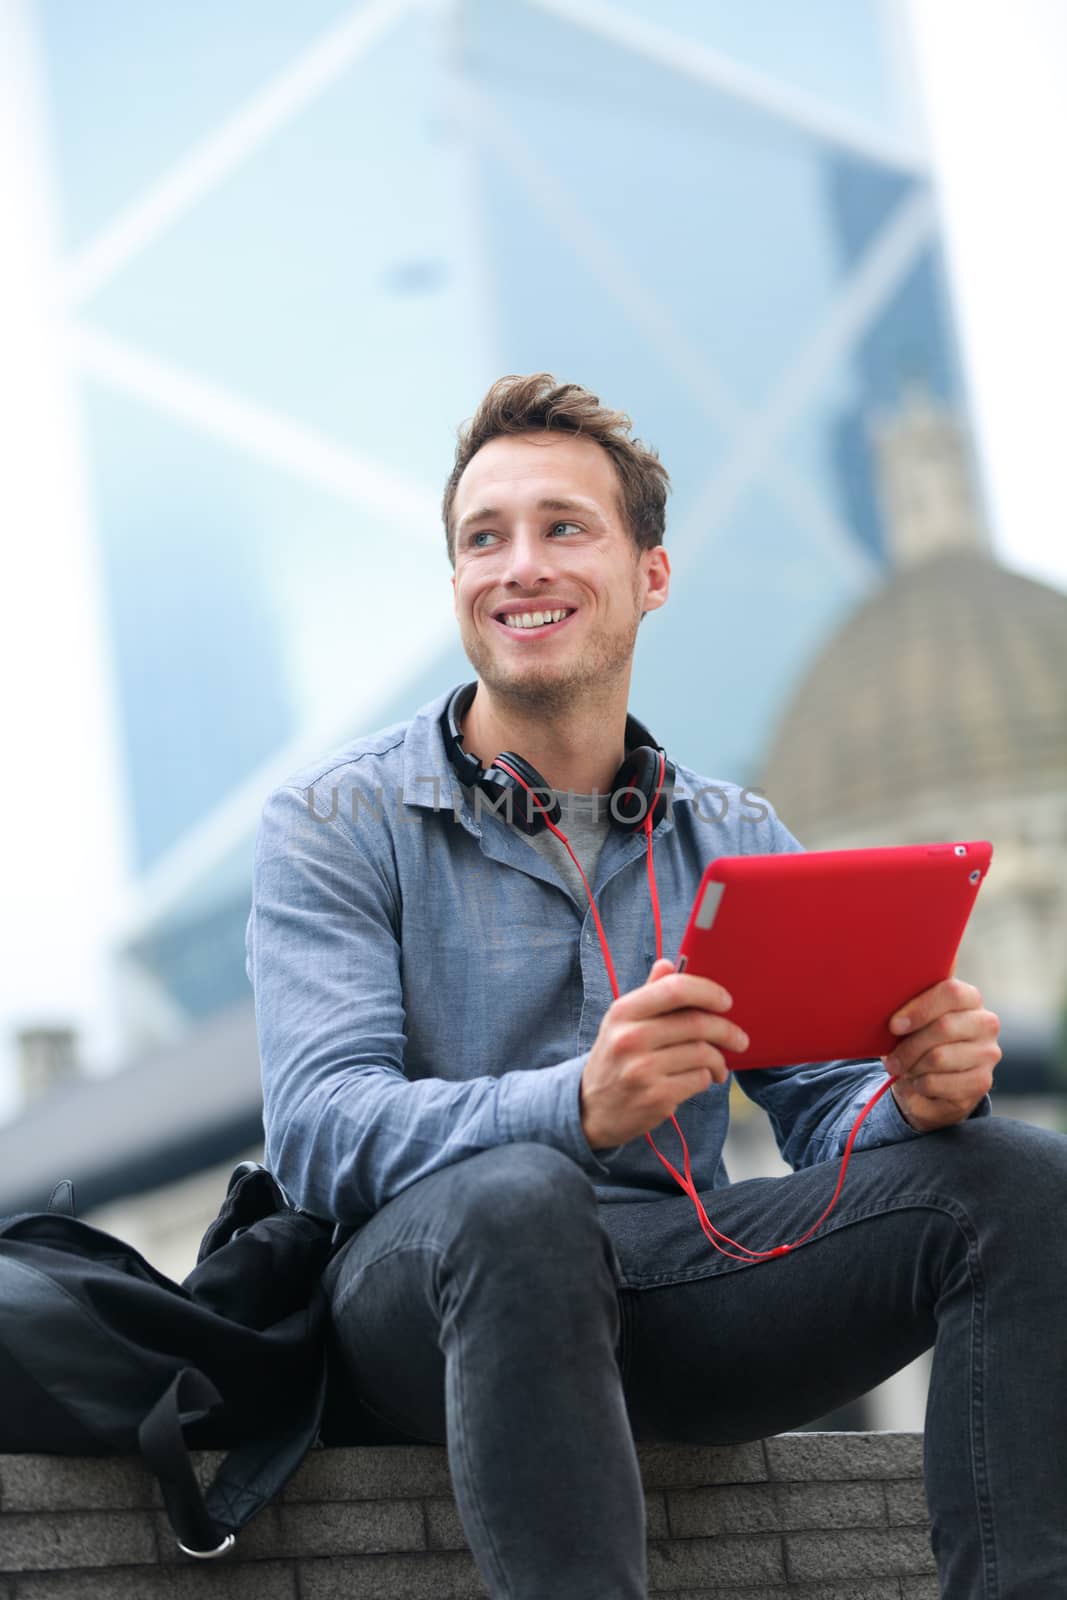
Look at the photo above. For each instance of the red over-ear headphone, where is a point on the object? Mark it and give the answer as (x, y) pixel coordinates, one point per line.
(525, 799)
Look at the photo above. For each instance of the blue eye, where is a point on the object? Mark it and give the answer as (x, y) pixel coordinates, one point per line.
(485, 533)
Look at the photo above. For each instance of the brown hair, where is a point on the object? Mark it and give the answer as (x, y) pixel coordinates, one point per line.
(524, 404)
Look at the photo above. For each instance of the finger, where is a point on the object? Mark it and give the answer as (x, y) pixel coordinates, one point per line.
(931, 1099)
(687, 1084)
(693, 1025)
(938, 1074)
(673, 990)
(695, 1056)
(950, 995)
(964, 1092)
(973, 1028)
(684, 1087)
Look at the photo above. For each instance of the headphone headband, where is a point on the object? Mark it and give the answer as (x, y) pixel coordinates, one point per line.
(633, 788)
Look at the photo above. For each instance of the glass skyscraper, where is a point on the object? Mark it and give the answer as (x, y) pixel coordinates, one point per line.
(302, 240)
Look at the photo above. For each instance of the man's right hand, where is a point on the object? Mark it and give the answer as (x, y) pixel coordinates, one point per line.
(657, 1046)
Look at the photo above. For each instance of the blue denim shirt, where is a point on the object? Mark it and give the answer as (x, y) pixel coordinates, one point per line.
(426, 985)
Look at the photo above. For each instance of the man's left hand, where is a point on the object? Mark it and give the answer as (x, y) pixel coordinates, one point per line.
(946, 1055)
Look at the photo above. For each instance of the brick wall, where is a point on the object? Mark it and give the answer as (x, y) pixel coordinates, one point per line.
(823, 1516)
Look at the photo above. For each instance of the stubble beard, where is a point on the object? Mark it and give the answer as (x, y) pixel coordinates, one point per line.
(548, 690)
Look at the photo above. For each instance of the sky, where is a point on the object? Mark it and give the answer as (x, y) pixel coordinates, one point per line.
(991, 76)
(61, 816)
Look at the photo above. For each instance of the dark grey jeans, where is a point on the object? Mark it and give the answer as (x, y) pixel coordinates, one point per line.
(495, 1307)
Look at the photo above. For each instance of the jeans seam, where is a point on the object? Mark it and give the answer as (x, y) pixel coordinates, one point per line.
(385, 1417)
(500, 1575)
(979, 1455)
(340, 1302)
(625, 1335)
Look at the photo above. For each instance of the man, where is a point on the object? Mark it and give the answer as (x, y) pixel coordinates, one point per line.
(446, 1071)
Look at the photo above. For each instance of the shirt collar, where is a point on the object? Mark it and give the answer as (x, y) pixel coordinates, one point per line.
(426, 759)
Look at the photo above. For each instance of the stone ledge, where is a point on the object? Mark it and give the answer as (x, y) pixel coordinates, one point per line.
(821, 1516)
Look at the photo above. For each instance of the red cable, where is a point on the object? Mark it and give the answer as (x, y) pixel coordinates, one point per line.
(686, 1184)
(782, 1249)
(592, 904)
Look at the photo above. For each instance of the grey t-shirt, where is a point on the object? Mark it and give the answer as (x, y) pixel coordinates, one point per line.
(586, 820)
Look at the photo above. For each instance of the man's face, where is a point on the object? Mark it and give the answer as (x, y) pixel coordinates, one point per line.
(539, 527)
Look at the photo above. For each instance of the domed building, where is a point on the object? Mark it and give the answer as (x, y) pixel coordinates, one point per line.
(939, 712)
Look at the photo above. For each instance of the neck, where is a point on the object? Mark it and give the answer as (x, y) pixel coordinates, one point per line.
(577, 748)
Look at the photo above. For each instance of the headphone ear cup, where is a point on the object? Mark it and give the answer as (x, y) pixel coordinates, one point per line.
(527, 815)
(640, 772)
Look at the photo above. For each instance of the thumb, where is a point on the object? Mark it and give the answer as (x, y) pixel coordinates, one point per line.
(660, 968)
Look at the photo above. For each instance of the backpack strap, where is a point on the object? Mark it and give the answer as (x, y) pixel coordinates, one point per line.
(189, 1397)
(248, 1478)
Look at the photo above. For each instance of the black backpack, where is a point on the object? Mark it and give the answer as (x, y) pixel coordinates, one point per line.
(100, 1353)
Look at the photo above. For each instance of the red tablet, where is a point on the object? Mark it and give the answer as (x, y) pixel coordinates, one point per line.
(820, 949)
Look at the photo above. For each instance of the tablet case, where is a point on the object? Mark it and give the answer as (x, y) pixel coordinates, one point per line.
(821, 948)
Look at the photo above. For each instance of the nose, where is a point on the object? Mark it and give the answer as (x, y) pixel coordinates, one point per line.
(531, 558)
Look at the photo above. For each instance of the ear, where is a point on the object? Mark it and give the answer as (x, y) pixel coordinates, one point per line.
(657, 573)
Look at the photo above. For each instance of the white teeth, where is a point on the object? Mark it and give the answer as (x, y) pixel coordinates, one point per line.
(533, 619)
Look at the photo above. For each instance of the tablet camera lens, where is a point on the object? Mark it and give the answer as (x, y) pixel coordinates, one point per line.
(961, 849)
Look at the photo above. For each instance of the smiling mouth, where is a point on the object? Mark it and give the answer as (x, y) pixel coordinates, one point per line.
(534, 628)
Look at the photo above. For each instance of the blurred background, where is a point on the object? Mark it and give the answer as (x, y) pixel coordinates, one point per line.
(258, 260)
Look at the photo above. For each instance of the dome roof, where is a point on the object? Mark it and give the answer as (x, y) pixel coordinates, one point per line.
(951, 676)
